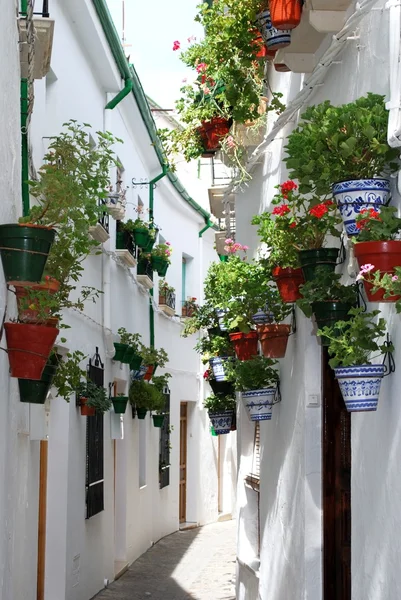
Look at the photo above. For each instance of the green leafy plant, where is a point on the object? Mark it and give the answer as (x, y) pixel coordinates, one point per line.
(353, 342)
(161, 381)
(217, 345)
(140, 225)
(153, 356)
(215, 404)
(163, 251)
(165, 288)
(255, 374)
(326, 287)
(131, 339)
(69, 373)
(337, 143)
(204, 317)
(145, 395)
(389, 282)
(377, 226)
(96, 395)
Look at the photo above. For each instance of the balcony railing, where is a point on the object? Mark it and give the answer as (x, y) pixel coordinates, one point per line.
(167, 298)
(45, 9)
(104, 216)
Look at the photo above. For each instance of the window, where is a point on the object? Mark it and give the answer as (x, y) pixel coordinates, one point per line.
(164, 453)
(184, 279)
(254, 476)
(253, 504)
(94, 449)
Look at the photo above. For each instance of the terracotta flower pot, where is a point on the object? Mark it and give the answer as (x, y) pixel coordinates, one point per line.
(86, 411)
(288, 281)
(213, 131)
(245, 344)
(25, 294)
(29, 347)
(274, 339)
(150, 372)
(285, 14)
(385, 256)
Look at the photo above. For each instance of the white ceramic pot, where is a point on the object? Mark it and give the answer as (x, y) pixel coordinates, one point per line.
(221, 421)
(360, 386)
(259, 403)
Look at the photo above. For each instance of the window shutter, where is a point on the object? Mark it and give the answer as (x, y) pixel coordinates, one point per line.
(164, 454)
(254, 476)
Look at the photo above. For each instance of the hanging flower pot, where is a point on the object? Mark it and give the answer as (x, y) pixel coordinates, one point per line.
(160, 265)
(120, 404)
(358, 194)
(218, 366)
(328, 313)
(130, 356)
(29, 347)
(158, 420)
(281, 67)
(385, 256)
(213, 131)
(274, 339)
(143, 239)
(141, 412)
(135, 362)
(26, 298)
(86, 411)
(318, 257)
(223, 388)
(150, 371)
(259, 403)
(285, 14)
(221, 421)
(245, 344)
(120, 351)
(360, 386)
(35, 392)
(24, 250)
(288, 281)
(138, 374)
(220, 312)
(273, 38)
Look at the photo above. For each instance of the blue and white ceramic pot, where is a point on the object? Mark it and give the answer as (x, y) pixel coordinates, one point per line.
(273, 38)
(360, 386)
(221, 421)
(262, 317)
(220, 312)
(357, 194)
(218, 366)
(259, 403)
(139, 374)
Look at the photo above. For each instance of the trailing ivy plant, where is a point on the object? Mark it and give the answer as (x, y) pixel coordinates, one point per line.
(326, 287)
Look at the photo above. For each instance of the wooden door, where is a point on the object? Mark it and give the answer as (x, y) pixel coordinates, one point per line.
(336, 490)
(183, 461)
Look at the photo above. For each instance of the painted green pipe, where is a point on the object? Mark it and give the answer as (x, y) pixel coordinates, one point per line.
(24, 8)
(206, 227)
(121, 95)
(24, 148)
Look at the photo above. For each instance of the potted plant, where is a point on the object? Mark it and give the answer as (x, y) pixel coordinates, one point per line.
(376, 246)
(351, 344)
(145, 270)
(166, 297)
(152, 358)
(275, 39)
(92, 399)
(145, 396)
(344, 150)
(285, 14)
(205, 317)
(327, 299)
(125, 245)
(221, 410)
(189, 306)
(128, 350)
(143, 232)
(272, 333)
(160, 382)
(217, 351)
(160, 258)
(219, 388)
(35, 392)
(389, 284)
(257, 380)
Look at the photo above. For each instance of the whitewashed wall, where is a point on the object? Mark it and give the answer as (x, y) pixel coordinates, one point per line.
(290, 493)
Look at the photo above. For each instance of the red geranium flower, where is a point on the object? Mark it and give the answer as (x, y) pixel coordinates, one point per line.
(281, 210)
(318, 211)
(288, 186)
(292, 225)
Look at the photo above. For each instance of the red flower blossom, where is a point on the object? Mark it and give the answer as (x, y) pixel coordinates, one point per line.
(176, 45)
(281, 210)
(292, 225)
(201, 67)
(318, 211)
(328, 203)
(288, 186)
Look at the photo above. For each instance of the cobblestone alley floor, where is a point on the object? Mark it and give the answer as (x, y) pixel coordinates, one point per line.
(198, 564)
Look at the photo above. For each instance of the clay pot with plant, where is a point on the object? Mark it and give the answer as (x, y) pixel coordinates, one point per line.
(145, 397)
(221, 411)
(152, 358)
(92, 399)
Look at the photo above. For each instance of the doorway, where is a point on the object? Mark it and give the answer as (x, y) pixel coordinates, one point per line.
(183, 461)
(336, 489)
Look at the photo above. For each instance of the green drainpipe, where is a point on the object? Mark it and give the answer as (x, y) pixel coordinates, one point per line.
(206, 227)
(121, 95)
(24, 148)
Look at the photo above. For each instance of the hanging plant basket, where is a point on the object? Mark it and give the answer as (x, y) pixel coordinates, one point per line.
(24, 250)
(86, 411)
(120, 404)
(25, 293)
(385, 256)
(285, 14)
(160, 265)
(218, 366)
(35, 392)
(158, 420)
(120, 351)
(245, 344)
(225, 388)
(328, 313)
(141, 413)
(213, 131)
(259, 403)
(360, 386)
(29, 347)
(288, 281)
(320, 257)
(143, 239)
(274, 339)
(354, 195)
(221, 421)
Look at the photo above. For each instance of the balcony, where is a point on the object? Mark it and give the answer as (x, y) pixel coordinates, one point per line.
(43, 43)
(167, 303)
(125, 248)
(100, 231)
(145, 273)
(217, 201)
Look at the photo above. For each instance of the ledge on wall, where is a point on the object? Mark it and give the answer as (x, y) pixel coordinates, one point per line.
(44, 29)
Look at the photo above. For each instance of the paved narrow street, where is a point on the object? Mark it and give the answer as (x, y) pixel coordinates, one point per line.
(198, 564)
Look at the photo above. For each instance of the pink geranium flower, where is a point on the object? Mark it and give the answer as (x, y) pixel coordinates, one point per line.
(176, 45)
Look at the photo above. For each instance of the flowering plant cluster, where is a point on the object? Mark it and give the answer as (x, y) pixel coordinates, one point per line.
(377, 226)
(163, 251)
(389, 282)
(165, 288)
(190, 302)
(232, 247)
(326, 287)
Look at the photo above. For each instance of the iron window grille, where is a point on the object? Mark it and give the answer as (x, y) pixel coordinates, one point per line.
(164, 453)
(104, 217)
(167, 298)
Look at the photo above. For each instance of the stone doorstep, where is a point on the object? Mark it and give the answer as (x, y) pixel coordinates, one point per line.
(188, 525)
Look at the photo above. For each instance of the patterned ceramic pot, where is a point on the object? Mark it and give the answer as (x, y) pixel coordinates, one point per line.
(140, 373)
(221, 421)
(356, 194)
(220, 312)
(273, 38)
(218, 365)
(360, 386)
(259, 403)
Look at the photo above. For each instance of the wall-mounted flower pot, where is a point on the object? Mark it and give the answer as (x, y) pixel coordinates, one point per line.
(220, 313)
(129, 355)
(245, 344)
(328, 313)
(120, 351)
(288, 282)
(120, 404)
(158, 420)
(139, 374)
(86, 411)
(150, 371)
(25, 296)
(218, 366)
(143, 239)
(24, 250)
(225, 388)
(273, 37)
(285, 14)
(141, 412)
(274, 339)
(221, 421)
(259, 403)
(135, 363)
(354, 195)
(318, 258)
(385, 256)
(29, 347)
(213, 331)
(213, 131)
(360, 386)
(160, 265)
(262, 318)
(35, 392)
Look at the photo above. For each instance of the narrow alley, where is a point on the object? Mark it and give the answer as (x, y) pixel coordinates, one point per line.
(198, 564)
